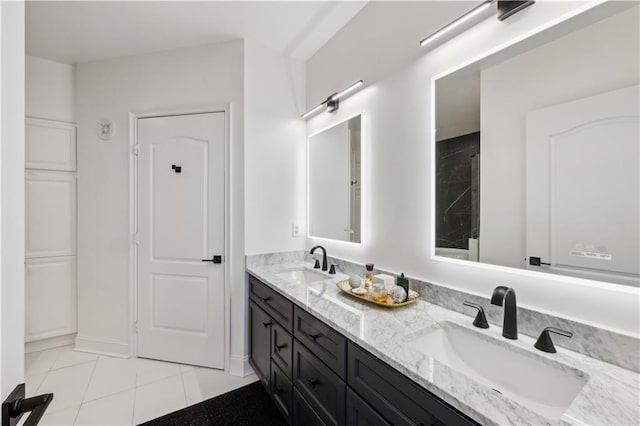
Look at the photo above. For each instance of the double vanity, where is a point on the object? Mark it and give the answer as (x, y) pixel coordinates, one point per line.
(327, 358)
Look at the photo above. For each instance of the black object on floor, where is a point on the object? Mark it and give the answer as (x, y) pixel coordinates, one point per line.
(249, 405)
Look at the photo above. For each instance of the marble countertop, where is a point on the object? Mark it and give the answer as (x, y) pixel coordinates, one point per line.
(611, 395)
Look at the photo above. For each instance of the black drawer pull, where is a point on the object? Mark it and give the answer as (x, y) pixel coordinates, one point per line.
(266, 324)
(278, 391)
(314, 337)
(266, 299)
(278, 347)
(313, 383)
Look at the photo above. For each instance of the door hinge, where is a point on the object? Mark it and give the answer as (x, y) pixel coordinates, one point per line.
(136, 239)
(135, 326)
(136, 150)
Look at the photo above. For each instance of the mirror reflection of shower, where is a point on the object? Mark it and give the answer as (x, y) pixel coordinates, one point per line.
(457, 183)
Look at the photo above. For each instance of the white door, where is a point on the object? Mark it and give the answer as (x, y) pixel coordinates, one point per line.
(583, 185)
(181, 183)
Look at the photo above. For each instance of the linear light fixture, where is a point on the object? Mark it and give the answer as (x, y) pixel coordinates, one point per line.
(476, 11)
(332, 103)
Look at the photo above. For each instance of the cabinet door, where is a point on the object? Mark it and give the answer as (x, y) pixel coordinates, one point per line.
(282, 349)
(50, 145)
(303, 414)
(359, 413)
(325, 343)
(50, 297)
(320, 386)
(282, 391)
(260, 343)
(50, 214)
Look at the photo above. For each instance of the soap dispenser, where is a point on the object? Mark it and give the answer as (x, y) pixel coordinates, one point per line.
(404, 283)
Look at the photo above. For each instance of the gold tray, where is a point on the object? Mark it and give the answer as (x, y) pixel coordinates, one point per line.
(345, 287)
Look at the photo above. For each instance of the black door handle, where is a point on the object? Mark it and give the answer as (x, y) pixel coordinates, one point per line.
(214, 259)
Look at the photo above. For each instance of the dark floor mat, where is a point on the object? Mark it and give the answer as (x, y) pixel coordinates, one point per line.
(247, 406)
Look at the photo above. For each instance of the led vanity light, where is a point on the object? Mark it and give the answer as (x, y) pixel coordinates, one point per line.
(475, 12)
(332, 103)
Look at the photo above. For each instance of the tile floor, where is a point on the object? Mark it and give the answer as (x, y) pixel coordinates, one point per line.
(100, 390)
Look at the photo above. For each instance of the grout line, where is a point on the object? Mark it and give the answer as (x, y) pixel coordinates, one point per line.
(184, 389)
(85, 390)
(135, 391)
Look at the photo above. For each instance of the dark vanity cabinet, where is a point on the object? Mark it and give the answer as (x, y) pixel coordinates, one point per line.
(259, 346)
(316, 376)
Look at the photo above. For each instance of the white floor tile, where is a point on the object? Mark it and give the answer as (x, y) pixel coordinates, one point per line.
(158, 398)
(40, 362)
(68, 357)
(64, 417)
(204, 383)
(112, 375)
(68, 385)
(112, 410)
(150, 370)
(32, 383)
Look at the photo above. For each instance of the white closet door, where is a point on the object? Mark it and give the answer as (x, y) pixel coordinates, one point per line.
(50, 145)
(50, 295)
(50, 209)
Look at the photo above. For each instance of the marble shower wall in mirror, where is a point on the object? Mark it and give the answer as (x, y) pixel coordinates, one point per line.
(334, 182)
(538, 152)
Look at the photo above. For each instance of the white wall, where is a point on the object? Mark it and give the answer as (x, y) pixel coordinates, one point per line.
(186, 78)
(275, 151)
(275, 158)
(50, 90)
(599, 58)
(381, 39)
(11, 196)
(397, 194)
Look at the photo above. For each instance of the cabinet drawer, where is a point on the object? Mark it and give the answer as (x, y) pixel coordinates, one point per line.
(326, 343)
(303, 414)
(398, 399)
(320, 386)
(274, 303)
(359, 413)
(260, 342)
(282, 391)
(282, 349)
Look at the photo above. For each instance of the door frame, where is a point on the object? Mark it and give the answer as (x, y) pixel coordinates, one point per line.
(133, 215)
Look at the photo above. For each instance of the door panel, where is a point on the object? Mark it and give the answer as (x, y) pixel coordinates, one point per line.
(181, 222)
(50, 212)
(50, 297)
(180, 212)
(50, 145)
(179, 303)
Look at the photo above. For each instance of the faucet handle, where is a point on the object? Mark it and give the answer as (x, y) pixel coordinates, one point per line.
(481, 320)
(544, 342)
(332, 270)
(317, 265)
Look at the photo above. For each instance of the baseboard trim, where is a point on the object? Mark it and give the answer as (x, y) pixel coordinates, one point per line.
(101, 346)
(239, 366)
(49, 343)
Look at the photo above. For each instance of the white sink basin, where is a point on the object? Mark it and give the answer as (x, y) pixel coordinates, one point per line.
(303, 276)
(544, 386)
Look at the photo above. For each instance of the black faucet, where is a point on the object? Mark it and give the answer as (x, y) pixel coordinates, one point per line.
(504, 296)
(324, 256)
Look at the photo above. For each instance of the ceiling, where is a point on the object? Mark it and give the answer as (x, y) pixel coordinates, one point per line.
(82, 31)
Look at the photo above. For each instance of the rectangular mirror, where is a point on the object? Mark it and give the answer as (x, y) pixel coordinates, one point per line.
(334, 182)
(537, 152)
